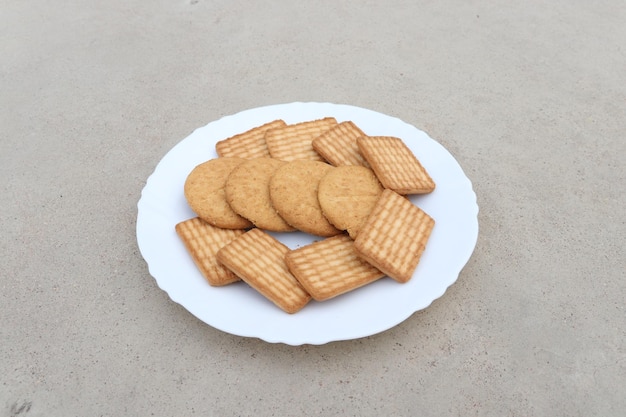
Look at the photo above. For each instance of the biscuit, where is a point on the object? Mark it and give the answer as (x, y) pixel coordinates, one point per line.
(395, 165)
(202, 241)
(347, 195)
(330, 267)
(294, 142)
(293, 191)
(338, 145)
(394, 236)
(204, 191)
(248, 193)
(259, 260)
(249, 144)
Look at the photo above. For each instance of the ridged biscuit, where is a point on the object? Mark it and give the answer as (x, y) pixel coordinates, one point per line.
(338, 146)
(294, 141)
(395, 165)
(202, 241)
(394, 236)
(248, 193)
(249, 144)
(347, 195)
(330, 267)
(204, 191)
(293, 191)
(259, 260)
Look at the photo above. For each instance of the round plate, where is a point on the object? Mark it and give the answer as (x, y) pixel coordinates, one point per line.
(237, 308)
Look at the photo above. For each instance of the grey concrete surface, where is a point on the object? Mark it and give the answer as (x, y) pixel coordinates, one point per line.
(530, 97)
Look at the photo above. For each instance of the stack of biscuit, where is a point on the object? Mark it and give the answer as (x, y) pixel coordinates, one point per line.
(320, 177)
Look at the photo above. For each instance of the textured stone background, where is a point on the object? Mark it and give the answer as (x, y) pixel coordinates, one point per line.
(530, 97)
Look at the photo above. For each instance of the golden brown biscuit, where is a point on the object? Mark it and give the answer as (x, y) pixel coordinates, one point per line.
(394, 236)
(259, 260)
(249, 144)
(293, 191)
(248, 193)
(204, 191)
(202, 241)
(338, 145)
(330, 267)
(293, 142)
(395, 165)
(347, 195)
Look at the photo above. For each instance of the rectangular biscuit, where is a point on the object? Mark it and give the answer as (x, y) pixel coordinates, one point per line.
(202, 241)
(249, 144)
(330, 267)
(338, 145)
(294, 141)
(394, 236)
(259, 260)
(395, 165)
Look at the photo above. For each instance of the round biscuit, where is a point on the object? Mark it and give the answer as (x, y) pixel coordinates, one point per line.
(347, 195)
(293, 191)
(204, 191)
(248, 193)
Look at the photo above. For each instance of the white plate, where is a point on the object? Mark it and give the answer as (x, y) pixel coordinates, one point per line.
(238, 309)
